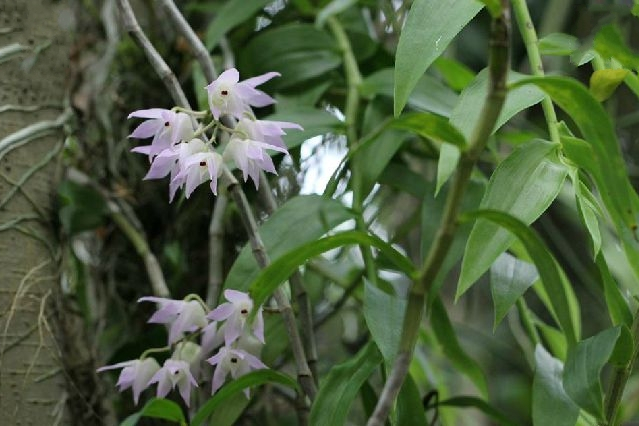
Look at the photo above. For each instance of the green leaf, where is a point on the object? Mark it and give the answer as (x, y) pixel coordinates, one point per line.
(430, 126)
(558, 44)
(509, 280)
(301, 219)
(447, 337)
(82, 207)
(523, 185)
(481, 405)
(279, 271)
(231, 389)
(583, 369)
(300, 52)
(159, 409)
(466, 114)
(315, 122)
(410, 411)
(384, 316)
(604, 82)
(551, 406)
(430, 27)
(617, 306)
(546, 267)
(333, 8)
(341, 386)
(233, 13)
(609, 43)
(428, 94)
(456, 74)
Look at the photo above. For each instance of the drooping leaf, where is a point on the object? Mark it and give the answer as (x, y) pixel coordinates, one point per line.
(235, 387)
(547, 267)
(341, 386)
(278, 271)
(384, 315)
(430, 126)
(456, 74)
(159, 409)
(617, 306)
(604, 82)
(301, 219)
(481, 405)
(233, 13)
(509, 280)
(410, 411)
(583, 367)
(299, 52)
(430, 27)
(558, 44)
(447, 337)
(523, 185)
(551, 406)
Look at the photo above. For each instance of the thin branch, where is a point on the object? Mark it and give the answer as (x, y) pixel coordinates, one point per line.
(216, 250)
(498, 69)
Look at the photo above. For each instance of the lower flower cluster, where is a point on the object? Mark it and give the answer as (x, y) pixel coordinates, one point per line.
(226, 329)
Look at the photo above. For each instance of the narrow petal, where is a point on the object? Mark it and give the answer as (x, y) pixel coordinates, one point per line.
(231, 75)
(254, 361)
(146, 129)
(148, 113)
(218, 378)
(118, 365)
(258, 326)
(261, 79)
(222, 312)
(236, 296)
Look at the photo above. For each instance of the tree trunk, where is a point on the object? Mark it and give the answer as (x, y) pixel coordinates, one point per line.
(37, 387)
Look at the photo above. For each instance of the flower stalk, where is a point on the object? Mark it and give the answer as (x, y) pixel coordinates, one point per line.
(498, 70)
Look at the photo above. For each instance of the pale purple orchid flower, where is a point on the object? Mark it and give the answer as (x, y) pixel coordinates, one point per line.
(229, 95)
(267, 131)
(165, 126)
(250, 156)
(183, 316)
(212, 337)
(236, 312)
(174, 373)
(135, 375)
(200, 165)
(235, 361)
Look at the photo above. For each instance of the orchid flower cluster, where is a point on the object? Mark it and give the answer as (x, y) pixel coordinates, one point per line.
(180, 148)
(226, 328)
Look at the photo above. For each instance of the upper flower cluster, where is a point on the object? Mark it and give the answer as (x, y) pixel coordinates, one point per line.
(180, 148)
(226, 328)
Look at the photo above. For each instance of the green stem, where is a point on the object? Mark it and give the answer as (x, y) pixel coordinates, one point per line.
(527, 321)
(498, 69)
(351, 108)
(528, 33)
(622, 374)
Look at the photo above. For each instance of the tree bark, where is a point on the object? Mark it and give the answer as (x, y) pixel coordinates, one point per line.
(37, 387)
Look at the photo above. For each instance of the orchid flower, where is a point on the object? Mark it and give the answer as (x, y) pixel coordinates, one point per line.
(235, 312)
(200, 165)
(235, 361)
(227, 95)
(174, 373)
(250, 156)
(183, 316)
(267, 131)
(135, 374)
(165, 126)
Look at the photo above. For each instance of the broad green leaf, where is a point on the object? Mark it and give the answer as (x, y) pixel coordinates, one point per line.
(617, 306)
(447, 337)
(233, 12)
(481, 405)
(609, 43)
(279, 271)
(314, 121)
(588, 208)
(428, 94)
(299, 52)
(159, 409)
(559, 44)
(384, 316)
(301, 219)
(456, 74)
(410, 411)
(235, 387)
(466, 114)
(430, 26)
(341, 386)
(333, 8)
(598, 131)
(523, 185)
(582, 370)
(604, 82)
(509, 280)
(430, 126)
(547, 267)
(551, 406)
